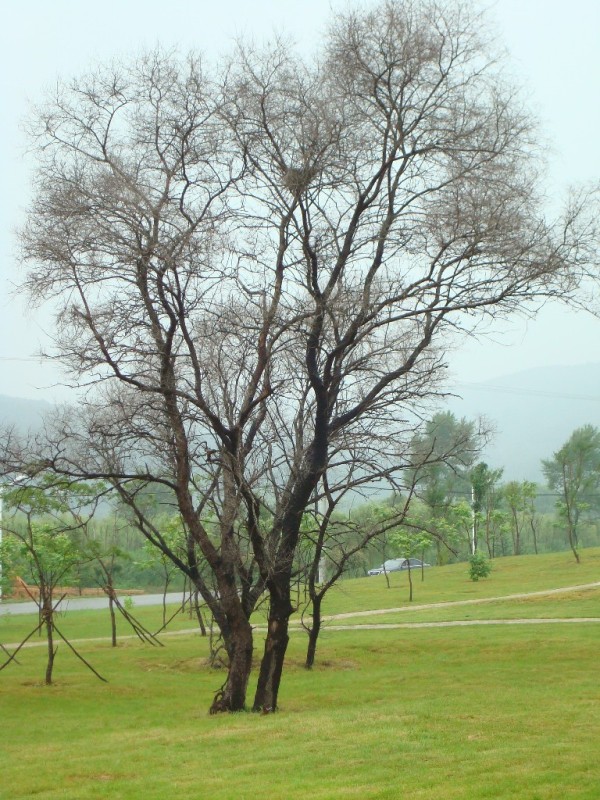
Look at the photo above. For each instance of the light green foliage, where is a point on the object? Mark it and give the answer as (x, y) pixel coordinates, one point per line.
(49, 552)
(489, 523)
(414, 535)
(519, 500)
(574, 471)
(47, 516)
(12, 563)
(128, 603)
(173, 535)
(481, 479)
(455, 526)
(479, 566)
(371, 516)
(408, 542)
(445, 451)
(495, 524)
(41, 530)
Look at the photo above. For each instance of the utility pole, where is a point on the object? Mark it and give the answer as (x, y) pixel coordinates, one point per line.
(473, 523)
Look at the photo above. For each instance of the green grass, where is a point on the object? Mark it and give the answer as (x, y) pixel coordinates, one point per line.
(466, 713)
(570, 605)
(442, 584)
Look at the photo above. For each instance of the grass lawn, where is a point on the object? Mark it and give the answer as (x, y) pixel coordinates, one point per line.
(461, 713)
(464, 713)
(512, 575)
(579, 604)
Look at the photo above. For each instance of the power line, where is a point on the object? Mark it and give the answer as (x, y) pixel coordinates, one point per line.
(27, 359)
(533, 392)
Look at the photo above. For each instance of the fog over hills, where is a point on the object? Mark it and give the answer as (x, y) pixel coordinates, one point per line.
(21, 412)
(533, 412)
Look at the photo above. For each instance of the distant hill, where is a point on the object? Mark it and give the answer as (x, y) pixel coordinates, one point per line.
(21, 412)
(534, 413)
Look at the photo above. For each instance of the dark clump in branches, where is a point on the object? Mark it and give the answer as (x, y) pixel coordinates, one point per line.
(260, 270)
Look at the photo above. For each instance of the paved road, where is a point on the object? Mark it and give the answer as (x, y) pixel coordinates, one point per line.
(90, 603)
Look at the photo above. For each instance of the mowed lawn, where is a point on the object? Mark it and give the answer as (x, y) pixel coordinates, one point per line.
(435, 713)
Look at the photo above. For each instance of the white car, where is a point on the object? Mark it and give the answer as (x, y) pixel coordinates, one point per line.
(397, 565)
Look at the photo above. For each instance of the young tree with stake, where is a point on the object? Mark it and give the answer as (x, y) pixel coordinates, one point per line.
(46, 515)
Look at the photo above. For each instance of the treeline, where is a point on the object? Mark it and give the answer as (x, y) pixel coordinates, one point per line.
(452, 505)
(460, 505)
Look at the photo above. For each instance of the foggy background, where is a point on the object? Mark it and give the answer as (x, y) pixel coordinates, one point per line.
(512, 373)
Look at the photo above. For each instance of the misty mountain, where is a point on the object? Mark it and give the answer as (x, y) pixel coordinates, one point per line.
(22, 413)
(533, 413)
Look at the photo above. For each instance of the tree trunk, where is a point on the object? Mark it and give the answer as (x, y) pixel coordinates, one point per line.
(239, 645)
(276, 643)
(47, 616)
(111, 608)
(113, 619)
(387, 577)
(198, 611)
(164, 598)
(516, 535)
(572, 534)
(488, 539)
(533, 531)
(313, 633)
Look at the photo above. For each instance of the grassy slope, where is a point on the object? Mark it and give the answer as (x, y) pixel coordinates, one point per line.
(460, 713)
(442, 584)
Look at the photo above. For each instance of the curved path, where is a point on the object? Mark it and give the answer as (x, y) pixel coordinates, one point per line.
(472, 602)
(295, 625)
(383, 626)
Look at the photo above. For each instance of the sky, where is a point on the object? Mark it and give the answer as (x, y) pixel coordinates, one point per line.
(553, 53)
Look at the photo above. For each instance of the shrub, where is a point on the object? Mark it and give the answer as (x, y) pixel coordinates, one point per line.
(479, 566)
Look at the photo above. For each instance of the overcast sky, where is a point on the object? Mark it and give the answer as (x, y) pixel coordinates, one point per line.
(554, 52)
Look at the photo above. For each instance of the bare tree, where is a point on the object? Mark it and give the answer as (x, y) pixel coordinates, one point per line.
(334, 545)
(106, 556)
(264, 265)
